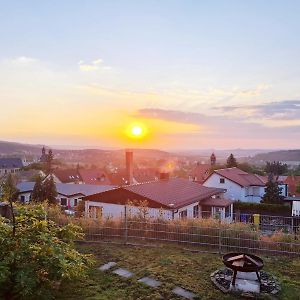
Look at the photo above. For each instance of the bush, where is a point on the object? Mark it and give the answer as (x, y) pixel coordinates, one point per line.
(38, 256)
(262, 208)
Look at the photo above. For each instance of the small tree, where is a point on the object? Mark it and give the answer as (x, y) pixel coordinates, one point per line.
(37, 255)
(10, 195)
(38, 193)
(272, 194)
(231, 161)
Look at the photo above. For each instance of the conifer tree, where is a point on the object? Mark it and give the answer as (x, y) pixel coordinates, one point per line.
(231, 161)
(50, 190)
(272, 194)
(49, 161)
(38, 193)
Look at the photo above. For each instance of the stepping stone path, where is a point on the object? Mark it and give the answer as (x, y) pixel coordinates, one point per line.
(123, 273)
(150, 282)
(107, 266)
(147, 280)
(183, 293)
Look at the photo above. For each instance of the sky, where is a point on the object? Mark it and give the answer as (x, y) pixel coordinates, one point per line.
(194, 74)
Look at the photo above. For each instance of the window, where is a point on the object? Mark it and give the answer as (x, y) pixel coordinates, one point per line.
(95, 212)
(75, 202)
(23, 199)
(222, 180)
(63, 201)
(196, 211)
(183, 214)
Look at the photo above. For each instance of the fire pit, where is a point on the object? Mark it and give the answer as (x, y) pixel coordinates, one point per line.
(242, 262)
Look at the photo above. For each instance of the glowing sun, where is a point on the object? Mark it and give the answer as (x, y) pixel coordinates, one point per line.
(137, 130)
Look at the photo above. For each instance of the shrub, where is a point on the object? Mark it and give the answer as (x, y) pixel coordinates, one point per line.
(261, 208)
(38, 255)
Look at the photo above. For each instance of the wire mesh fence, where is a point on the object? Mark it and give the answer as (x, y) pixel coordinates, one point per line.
(269, 235)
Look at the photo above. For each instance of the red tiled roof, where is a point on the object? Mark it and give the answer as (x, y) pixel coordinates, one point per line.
(176, 191)
(139, 175)
(217, 202)
(292, 182)
(94, 176)
(67, 176)
(240, 177)
(201, 172)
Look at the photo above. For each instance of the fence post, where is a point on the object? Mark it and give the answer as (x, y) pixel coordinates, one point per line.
(220, 240)
(126, 225)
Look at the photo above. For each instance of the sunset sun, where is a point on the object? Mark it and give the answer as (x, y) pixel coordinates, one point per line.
(137, 130)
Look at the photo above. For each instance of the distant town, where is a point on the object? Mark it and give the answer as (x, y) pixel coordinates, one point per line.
(106, 180)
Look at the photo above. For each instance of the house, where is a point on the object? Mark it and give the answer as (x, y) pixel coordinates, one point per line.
(10, 165)
(239, 185)
(131, 174)
(69, 195)
(94, 176)
(171, 198)
(295, 205)
(69, 176)
(121, 178)
(81, 176)
(200, 172)
(292, 182)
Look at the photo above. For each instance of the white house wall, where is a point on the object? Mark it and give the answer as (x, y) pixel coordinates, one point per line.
(296, 208)
(189, 209)
(234, 191)
(110, 210)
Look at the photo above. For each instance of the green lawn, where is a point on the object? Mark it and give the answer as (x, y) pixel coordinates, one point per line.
(170, 265)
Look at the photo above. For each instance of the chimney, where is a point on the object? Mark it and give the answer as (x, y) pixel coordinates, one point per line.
(164, 176)
(129, 166)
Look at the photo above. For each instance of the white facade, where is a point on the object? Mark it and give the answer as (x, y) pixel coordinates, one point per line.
(296, 209)
(234, 191)
(95, 210)
(25, 197)
(69, 202)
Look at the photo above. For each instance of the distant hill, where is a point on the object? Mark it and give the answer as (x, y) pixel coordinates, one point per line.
(223, 153)
(84, 156)
(282, 155)
(11, 148)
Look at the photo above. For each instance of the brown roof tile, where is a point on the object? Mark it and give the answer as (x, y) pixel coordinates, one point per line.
(176, 191)
(240, 177)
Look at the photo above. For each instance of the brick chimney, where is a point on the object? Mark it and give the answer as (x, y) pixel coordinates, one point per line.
(164, 176)
(129, 166)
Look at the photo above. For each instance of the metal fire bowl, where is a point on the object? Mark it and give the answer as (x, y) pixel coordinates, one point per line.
(245, 268)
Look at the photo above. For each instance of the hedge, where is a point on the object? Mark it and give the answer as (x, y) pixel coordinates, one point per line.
(262, 208)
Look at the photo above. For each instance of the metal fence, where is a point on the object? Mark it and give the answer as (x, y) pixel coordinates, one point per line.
(273, 235)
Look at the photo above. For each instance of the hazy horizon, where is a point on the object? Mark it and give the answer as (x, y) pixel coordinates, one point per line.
(190, 74)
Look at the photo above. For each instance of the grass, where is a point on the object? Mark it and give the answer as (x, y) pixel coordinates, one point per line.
(170, 265)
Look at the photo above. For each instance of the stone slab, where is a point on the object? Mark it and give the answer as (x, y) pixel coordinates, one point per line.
(123, 273)
(107, 266)
(247, 276)
(150, 282)
(183, 293)
(244, 285)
